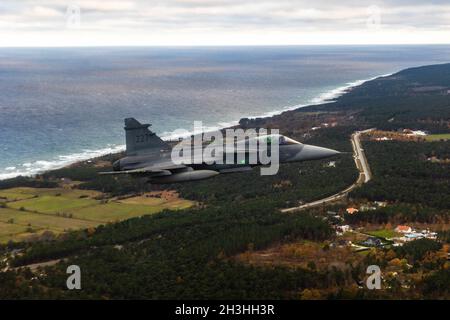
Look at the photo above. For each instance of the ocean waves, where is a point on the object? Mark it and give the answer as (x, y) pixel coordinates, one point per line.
(40, 166)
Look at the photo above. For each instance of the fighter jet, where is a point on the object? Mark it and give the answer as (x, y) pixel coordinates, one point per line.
(147, 155)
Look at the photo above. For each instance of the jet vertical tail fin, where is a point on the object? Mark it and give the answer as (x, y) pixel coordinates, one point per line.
(140, 140)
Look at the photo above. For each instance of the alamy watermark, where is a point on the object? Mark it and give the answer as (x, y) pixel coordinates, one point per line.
(74, 280)
(73, 16)
(374, 279)
(373, 21)
(229, 147)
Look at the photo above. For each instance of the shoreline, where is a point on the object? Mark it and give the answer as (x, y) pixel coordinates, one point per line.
(31, 169)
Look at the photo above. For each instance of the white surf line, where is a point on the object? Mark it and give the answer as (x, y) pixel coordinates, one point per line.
(329, 96)
(37, 167)
(323, 98)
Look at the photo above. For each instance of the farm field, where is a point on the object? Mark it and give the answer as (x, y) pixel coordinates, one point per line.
(438, 137)
(25, 193)
(14, 195)
(9, 231)
(43, 221)
(117, 210)
(172, 203)
(51, 204)
(113, 211)
(32, 211)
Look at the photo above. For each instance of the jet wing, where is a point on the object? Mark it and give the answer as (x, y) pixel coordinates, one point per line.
(155, 170)
(136, 171)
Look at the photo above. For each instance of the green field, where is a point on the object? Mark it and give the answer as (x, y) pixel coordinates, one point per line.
(52, 204)
(22, 193)
(173, 204)
(32, 211)
(113, 211)
(13, 195)
(43, 221)
(438, 137)
(384, 233)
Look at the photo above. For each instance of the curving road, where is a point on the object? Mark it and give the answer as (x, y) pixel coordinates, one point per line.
(364, 175)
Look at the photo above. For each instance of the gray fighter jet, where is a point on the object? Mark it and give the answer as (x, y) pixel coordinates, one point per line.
(149, 156)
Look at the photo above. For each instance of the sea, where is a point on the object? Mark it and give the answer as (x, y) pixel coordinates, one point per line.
(63, 105)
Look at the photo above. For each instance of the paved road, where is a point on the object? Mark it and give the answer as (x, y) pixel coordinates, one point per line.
(359, 155)
(364, 175)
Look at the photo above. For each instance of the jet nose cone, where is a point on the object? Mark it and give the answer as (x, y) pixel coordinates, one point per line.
(310, 152)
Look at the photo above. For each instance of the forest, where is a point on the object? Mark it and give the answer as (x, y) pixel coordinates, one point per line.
(182, 253)
(403, 173)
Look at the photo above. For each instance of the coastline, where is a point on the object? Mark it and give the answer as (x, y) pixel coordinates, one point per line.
(31, 169)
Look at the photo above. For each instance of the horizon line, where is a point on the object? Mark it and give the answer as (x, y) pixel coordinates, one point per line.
(227, 45)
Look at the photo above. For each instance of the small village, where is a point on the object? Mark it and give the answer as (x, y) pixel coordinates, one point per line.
(361, 238)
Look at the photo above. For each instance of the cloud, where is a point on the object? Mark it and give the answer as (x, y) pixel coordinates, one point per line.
(201, 21)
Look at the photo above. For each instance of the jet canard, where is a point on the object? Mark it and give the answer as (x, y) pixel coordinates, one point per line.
(147, 155)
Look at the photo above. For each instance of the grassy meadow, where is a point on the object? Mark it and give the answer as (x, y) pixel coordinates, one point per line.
(438, 137)
(31, 211)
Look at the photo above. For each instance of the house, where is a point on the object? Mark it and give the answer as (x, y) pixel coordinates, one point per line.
(431, 235)
(366, 207)
(344, 228)
(352, 210)
(381, 203)
(383, 139)
(66, 181)
(419, 133)
(331, 164)
(414, 132)
(372, 242)
(403, 229)
(414, 236)
(343, 243)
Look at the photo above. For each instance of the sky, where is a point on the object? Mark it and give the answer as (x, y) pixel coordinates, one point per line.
(222, 22)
